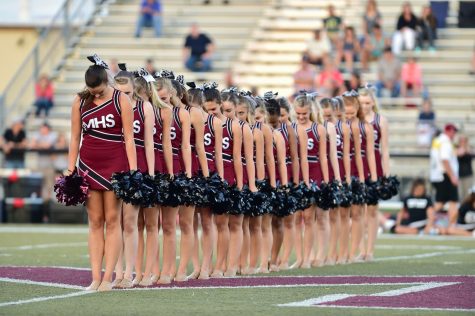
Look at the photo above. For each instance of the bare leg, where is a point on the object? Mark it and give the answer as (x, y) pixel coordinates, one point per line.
(313, 253)
(334, 234)
(309, 220)
(119, 266)
(113, 240)
(222, 225)
(96, 221)
(140, 248)
(266, 242)
(344, 235)
(156, 262)
(323, 231)
(246, 244)
(207, 241)
(187, 240)
(235, 243)
(153, 247)
(356, 230)
(372, 220)
(299, 228)
(255, 230)
(130, 238)
(406, 230)
(169, 243)
(289, 233)
(278, 238)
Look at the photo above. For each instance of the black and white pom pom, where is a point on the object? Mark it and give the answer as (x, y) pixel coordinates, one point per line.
(162, 191)
(181, 191)
(129, 186)
(372, 194)
(346, 197)
(358, 191)
(71, 190)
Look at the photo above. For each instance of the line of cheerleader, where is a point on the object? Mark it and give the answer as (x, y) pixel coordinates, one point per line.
(149, 152)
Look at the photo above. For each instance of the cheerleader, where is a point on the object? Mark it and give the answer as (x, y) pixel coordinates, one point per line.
(213, 140)
(317, 163)
(232, 171)
(361, 139)
(252, 234)
(180, 141)
(143, 137)
(282, 154)
(336, 114)
(381, 157)
(334, 143)
(103, 118)
(199, 164)
(301, 164)
(249, 179)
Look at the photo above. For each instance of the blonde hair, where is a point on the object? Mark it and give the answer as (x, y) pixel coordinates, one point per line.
(304, 100)
(125, 77)
(353, 101)
(251, 112)
(164, 83)
(370, 92)
(141, 85)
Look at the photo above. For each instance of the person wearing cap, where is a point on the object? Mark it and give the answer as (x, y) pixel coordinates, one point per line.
(444, 172)
(13, 144)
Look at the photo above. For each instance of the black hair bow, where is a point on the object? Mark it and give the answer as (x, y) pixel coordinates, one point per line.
(122, 67)
(352, 93)
(168, 74)
(181, 80)
(142, 72)
(269, 95)
(98, 61)
(210, 85)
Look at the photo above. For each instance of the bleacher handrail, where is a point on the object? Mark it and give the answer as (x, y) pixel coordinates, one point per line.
(63, 17)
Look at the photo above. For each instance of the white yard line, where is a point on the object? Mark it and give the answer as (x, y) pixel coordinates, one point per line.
(45, 298)
(317, 300)
(49, 284)
(426, 255)
(414, 289)
(46, 246)
(42, 229)
(418, 247)
(400, 308)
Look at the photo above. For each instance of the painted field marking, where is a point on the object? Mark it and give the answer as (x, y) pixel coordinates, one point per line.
(418, 247)
(415, 288)
(18, 229)
(46, 246)
(45, 298)
(49, 284)
(426, 255)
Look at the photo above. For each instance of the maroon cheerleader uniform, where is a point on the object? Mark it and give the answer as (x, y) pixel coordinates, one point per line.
(157, 143)
(245, 178)
(102, 150)
(228, 144)
(295, 128)
(313, 152)
(363, 150)
(354, 168)
(331, 174)
(288, 156)
(274, 152)
(195, 163)
(210, 143)
(176, 139)
(377, 144)
(139, 136)
(339, 148)
(258, 125)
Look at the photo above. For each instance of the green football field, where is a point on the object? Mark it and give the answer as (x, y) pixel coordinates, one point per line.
(43, 270)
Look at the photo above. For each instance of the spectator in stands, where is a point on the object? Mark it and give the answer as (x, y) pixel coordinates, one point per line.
(45, 139)
(348, 49)
(417, 213)
(13, 144)
(333, 25)
(426, 124)
(149, 66)
(44, 93)
(444, 172)
(371, 17)
(426, 29)
(466, 215)
(405, 36)
(304, 78)
(354, 83)
(374, 45)
(472, 70)
(464, 156)
(60, 160)
(113, 67)
(411, 78)
(150, 16)
(198, 50)
(329, 82)
(318, 48)
(389, 74)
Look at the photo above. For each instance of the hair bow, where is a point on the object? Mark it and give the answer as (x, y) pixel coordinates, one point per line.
(122, 67)
(142, 72)
(193, 85)
(269, 95)
(310, 95)
(168, 74)
(245, 93)
(210, 85)
(233, 90)
(351, 93)
(96, 60)
(181, 80)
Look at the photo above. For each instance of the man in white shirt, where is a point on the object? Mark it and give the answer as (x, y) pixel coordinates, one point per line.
(444, 172)
(317, 48)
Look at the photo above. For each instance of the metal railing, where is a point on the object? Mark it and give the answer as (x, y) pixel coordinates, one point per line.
(52, 45)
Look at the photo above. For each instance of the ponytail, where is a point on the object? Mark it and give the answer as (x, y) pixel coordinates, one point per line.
(319, 114)
(95, 76)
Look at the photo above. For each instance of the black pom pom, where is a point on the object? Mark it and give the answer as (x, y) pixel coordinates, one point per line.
(345, 195)
(148, 189)
(304, 195)
(129, 187)
(372, 195)
(358, 191)
(217, 194)
(235, 199)
(388, 187)
(71, 190)
(181, 191)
